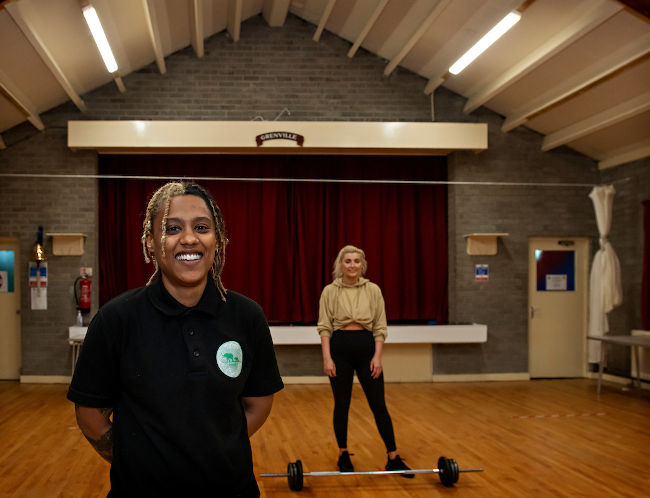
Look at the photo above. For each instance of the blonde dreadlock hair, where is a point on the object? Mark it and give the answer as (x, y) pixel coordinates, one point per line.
(160, 200)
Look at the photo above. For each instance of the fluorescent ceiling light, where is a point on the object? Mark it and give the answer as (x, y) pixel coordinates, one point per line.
(100, 38)
(483, 44)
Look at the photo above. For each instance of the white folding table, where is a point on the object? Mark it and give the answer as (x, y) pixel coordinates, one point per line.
(633, 341)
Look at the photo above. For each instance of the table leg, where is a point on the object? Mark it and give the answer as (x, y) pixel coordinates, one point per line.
(635, 349)
(75, 355)
(600, 366)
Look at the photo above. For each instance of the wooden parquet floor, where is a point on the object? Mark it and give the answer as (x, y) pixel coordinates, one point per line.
(534, 439)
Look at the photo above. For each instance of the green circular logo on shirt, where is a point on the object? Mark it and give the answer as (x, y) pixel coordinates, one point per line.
(230, 358)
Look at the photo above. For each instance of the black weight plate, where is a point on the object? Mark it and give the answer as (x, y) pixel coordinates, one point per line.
(299, 475)
(453, 467)
(294, 475)
(291, 475)
(445, 472)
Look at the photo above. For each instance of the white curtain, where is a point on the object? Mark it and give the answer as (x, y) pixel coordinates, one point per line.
(605, 291)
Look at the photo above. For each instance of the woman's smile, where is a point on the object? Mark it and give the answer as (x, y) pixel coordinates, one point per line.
(192, 256)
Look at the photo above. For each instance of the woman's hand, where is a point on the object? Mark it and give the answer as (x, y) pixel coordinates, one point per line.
(375, 366)
(329, 367)
(328, 363)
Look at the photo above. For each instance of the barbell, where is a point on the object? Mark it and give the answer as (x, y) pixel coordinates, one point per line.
(447, 471)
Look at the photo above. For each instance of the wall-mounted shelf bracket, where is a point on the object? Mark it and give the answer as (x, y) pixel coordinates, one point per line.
(483, 243)
(67, 244)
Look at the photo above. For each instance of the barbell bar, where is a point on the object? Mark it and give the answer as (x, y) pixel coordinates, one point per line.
(447, 471)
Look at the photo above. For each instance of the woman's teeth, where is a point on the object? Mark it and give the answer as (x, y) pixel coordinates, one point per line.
(188, 257)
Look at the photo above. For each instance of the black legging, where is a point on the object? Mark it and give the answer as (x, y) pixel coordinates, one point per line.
(352, 351)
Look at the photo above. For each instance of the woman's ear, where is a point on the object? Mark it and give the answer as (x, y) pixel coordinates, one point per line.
(149, 242)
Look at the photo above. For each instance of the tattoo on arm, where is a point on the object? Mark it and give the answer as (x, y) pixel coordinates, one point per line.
(106, 412)
(103, 445)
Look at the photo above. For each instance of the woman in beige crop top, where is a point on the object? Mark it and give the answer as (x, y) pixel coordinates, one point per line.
(352, 327)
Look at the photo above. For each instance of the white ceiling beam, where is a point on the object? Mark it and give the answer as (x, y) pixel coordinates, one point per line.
(119, 82)
(366, 29)
(594, 14)
(151, 18)
(275, 12)
(323, 19)
(19, 101)
(435, 82)
(572, 85)
(592, 124)
(634, 152)
(24, 24)
(424, 26)
(196, 27)
(234, 19)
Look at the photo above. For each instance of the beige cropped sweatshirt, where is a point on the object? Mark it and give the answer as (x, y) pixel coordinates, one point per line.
(342, 304)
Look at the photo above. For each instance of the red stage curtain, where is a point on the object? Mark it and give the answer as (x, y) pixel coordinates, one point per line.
(285, 235)
(645, 287)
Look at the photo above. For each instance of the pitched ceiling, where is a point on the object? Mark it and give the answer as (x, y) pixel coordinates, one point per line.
(576, 71)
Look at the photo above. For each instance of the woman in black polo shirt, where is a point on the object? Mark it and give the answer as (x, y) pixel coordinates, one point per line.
(186, 367)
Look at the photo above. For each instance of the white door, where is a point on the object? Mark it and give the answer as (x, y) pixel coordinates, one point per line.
(557, 312)
(9, 309)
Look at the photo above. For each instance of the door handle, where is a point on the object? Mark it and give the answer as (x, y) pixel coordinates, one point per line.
(532, 312)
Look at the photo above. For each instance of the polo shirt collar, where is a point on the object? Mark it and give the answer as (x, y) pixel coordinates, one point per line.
(210, 302)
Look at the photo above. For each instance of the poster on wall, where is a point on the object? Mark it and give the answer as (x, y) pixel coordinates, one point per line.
(38, 274)
(38, 284)
(39, 298)
(481, 273)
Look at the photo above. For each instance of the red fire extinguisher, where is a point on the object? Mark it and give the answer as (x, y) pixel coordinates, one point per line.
(82, 293)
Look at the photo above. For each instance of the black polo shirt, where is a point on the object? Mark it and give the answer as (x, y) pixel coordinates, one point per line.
(175, 377)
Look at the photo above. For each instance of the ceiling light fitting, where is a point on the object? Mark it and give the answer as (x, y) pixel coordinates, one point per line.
(90, 14)
(484, 43)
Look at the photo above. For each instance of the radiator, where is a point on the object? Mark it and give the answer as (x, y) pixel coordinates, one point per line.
(644, 357)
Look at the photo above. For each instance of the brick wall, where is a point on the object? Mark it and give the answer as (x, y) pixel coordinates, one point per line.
(523, 212)
(60, 206)
(263, 73)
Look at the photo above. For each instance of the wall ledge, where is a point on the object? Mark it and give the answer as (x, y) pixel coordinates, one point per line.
(45, 379)
(313, 379)
(276, 137)
(485, 377)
